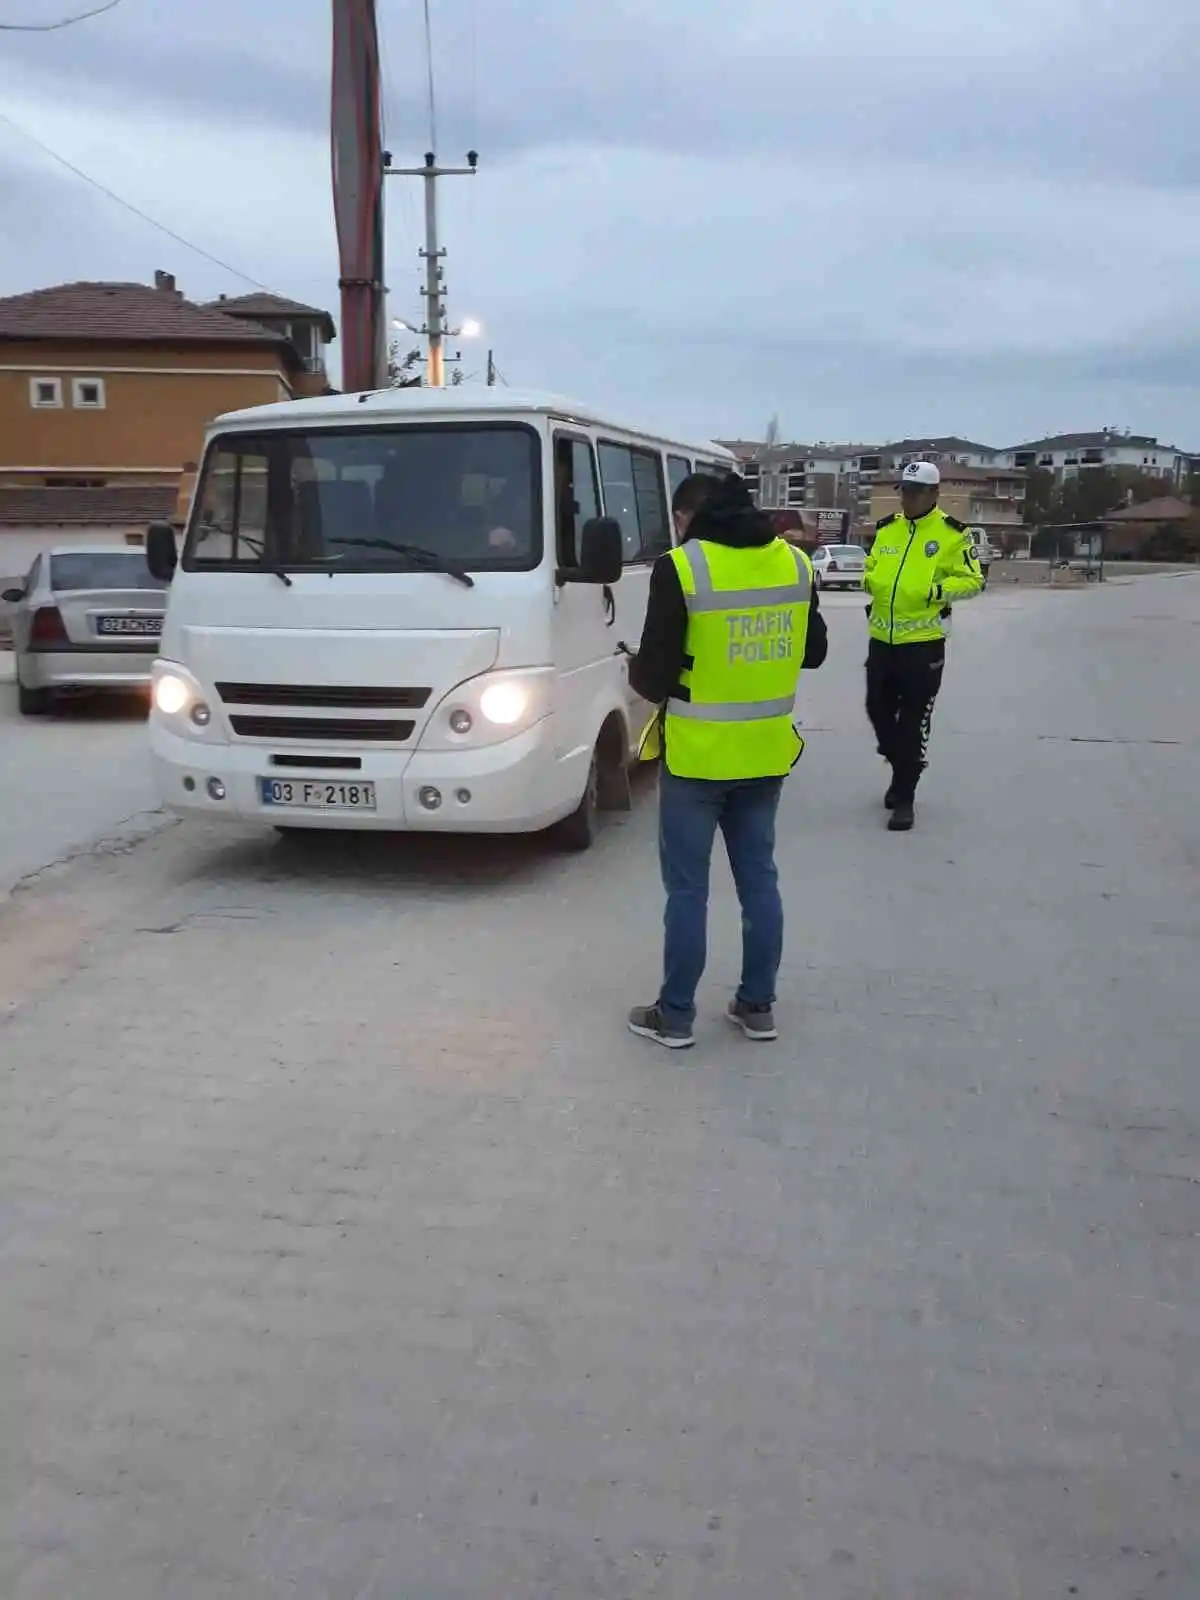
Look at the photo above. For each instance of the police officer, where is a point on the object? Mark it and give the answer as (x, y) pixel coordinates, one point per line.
(732, 617)
(921, 561)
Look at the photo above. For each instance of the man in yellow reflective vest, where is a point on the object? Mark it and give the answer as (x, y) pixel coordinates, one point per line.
(921, 562)
(731, 620)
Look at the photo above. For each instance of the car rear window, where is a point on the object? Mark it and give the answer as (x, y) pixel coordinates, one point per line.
(846, 550)
(102, 569)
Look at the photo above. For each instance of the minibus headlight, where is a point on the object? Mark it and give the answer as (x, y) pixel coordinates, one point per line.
(180, 700)
(504, 703)
(171, 694)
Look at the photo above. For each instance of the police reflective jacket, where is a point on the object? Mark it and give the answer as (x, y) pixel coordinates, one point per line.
(914, 572)
(747, 619)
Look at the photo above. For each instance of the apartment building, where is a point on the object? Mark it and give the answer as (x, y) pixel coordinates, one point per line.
(1066, 454)
(796, 477)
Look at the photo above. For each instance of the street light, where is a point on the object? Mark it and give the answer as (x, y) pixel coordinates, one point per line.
(471, 328)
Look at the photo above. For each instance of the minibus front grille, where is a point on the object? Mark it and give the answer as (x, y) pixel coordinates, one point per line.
(322, 694)
(348, 730)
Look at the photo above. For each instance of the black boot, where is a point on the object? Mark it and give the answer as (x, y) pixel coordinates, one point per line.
(889, 799)
(902, 817)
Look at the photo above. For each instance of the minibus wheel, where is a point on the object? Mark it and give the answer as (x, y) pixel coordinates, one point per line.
(578, 831)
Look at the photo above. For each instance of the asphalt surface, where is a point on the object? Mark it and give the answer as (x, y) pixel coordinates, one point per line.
(351, 1248)
(78, 779)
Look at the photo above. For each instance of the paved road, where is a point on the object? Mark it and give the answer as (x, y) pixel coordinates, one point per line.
(351, 1248)
(70, 780)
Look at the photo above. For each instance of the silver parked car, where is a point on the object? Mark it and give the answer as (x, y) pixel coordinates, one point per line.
(85, 618)
(839, 566)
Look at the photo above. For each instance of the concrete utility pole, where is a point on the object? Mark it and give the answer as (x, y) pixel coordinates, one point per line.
(491, 370)
(435, 328)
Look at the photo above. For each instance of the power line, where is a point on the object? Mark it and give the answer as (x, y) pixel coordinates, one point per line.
(66, 22)
(129, 205)
(429, 66)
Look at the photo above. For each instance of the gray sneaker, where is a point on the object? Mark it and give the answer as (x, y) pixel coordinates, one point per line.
(756, 1022)
(648, 1022)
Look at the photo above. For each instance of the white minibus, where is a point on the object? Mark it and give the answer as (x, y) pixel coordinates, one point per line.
(407, 609)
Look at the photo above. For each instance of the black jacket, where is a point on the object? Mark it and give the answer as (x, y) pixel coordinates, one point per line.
(654, 671)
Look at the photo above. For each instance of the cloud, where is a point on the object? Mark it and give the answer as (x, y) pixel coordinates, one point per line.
(870, 217)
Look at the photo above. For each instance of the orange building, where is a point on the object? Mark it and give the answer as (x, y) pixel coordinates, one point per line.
(108, 387)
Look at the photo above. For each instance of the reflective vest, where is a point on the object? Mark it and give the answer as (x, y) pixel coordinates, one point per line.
(747, 624)
(914, 572)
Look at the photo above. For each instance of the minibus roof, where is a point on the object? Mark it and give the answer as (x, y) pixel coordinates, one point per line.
(469, 401)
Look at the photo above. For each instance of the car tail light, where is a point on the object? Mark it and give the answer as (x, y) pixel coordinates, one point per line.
(833, 566)
(47, 627)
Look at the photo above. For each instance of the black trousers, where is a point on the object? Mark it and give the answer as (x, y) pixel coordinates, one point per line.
(902, 684)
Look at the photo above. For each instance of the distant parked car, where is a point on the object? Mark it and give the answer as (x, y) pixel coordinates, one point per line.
(84, 618)
(838, 566)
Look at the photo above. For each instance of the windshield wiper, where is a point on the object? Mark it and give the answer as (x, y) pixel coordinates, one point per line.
(259, 549)
(415, 552)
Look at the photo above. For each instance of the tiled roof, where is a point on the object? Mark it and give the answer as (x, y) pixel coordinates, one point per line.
(125, 313)
(134, 505)
(947, 446)
(271, 305)
(1094, 441)
(1165, 509)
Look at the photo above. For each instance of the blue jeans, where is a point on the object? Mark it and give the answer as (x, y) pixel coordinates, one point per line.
(690, 811)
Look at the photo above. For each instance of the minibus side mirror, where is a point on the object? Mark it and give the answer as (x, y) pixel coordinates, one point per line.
(601, 553)
(161, 555)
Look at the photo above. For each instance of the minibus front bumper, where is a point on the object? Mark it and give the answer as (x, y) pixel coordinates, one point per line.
(516, 785)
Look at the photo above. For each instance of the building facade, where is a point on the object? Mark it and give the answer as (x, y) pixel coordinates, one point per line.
(991, 498)
(110, 386)
(1067, 454)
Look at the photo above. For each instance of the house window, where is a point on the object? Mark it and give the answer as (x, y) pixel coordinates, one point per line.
(87, 394)
(46, 394)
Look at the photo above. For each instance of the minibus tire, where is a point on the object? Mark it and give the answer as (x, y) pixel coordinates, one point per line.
(578, 832)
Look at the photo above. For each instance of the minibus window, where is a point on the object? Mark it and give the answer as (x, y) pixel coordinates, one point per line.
(635, 497)
(346, 500)
(576, 496)
(678, 468)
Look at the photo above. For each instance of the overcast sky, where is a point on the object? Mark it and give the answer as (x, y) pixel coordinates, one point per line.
(877, 218)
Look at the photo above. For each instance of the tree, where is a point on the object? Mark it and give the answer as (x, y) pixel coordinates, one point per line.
(1173, 541)
(1039, 496)
(404, 372)
(456, 377)
(1090, 496)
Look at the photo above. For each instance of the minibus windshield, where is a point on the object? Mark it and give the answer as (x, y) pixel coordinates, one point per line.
(370, 499)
